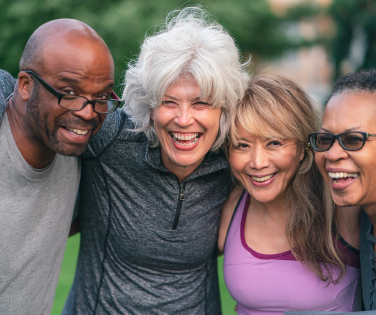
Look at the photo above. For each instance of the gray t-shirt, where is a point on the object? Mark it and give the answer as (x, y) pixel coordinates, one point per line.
(36, 209)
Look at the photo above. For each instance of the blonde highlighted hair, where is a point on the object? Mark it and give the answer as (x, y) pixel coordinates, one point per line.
(276, 107)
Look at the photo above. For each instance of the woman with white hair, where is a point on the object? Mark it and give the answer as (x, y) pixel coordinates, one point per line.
(155, 178)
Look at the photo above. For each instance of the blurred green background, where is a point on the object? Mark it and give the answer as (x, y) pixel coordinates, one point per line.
(310, 41)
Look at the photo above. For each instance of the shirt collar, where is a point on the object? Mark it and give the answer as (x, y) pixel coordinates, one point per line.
(213, 161)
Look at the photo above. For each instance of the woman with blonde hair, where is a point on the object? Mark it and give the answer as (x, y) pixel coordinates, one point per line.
(281, 251)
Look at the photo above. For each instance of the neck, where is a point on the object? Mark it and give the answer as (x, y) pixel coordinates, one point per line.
(274, 210)
(179, 171)
(33, 150)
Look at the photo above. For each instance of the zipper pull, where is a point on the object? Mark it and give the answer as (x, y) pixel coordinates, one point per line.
(181, 194)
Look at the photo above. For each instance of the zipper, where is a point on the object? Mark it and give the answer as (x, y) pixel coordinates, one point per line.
(178, 209)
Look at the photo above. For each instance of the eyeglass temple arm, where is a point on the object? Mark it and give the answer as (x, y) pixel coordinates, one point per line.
(114, 96)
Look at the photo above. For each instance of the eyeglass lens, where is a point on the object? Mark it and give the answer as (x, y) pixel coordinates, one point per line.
(77, 102)
(348, 140)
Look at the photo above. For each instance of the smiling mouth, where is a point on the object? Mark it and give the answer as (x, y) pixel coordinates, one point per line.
(77, 132)
(340, 177)
(262, 179)
(186, 140)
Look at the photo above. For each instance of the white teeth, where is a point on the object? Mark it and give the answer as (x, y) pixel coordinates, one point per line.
(77, 131)
(342, 175)
(186, 144)
(262, 179)
(183, 137)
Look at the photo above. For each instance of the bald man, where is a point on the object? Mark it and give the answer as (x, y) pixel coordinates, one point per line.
(61, 97)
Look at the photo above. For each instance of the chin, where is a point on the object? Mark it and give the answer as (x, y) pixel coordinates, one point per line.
(69, 150)
(262, 198)
(184, 163)
(186, 160)
(345, 201)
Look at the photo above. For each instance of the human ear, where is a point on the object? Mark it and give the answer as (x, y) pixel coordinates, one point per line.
(25, 84)
(302, 153)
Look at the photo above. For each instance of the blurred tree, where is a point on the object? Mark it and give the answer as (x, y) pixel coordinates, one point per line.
(353, 19)
(124, 23)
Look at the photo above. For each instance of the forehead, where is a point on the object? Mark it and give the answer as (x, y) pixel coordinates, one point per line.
(78, 56)
(183, 82)
(262, 134)
(350, 111)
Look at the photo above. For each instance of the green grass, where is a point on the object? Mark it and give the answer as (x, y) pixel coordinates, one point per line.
(66, 274)
(69, 266)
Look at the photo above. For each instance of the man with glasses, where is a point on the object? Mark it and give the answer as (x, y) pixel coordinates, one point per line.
(63, 93)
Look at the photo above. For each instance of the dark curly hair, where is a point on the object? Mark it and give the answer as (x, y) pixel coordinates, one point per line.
(362, 81)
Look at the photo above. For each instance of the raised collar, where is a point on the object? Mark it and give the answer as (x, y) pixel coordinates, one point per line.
(213, 162)
(3, 106)
(7, 83)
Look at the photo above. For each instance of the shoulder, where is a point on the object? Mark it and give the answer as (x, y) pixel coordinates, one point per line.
(226, 215)
(366, 237)
(7, 83)
(116, 126)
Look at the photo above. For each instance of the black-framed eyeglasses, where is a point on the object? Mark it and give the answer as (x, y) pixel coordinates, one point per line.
(78, 102)
(349, 140)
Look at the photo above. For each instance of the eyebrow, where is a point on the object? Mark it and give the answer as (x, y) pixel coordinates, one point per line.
(176, 99)
(350, 129)
(77, 82)
(244, 139)
(69, 80)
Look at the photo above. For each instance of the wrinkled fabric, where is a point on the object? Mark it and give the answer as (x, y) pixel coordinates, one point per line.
(367, 262)
(36, 209)
(131, 261)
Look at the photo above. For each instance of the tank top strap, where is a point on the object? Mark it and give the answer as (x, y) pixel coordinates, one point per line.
(235, 224)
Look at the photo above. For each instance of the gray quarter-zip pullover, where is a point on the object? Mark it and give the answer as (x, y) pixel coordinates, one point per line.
(148, 242)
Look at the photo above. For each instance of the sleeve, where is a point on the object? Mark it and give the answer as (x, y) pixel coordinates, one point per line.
(76, 210)
(105, 136)
(7, 83)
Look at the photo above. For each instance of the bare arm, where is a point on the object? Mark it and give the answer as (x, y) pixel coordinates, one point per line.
(348, 224)
(226, 215)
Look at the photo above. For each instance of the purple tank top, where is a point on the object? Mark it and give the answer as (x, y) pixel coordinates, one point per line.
(273, 284)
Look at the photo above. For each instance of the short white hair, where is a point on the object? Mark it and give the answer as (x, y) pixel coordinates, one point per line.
(187, 44)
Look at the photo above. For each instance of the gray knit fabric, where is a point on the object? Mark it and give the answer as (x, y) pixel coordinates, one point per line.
(131, 261)
(36, 209)
(367, 262)
(7, 83)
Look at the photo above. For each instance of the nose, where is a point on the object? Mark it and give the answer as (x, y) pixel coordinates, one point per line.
(259, 158)
(87, 113)
(184, 116)
(336, 152)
